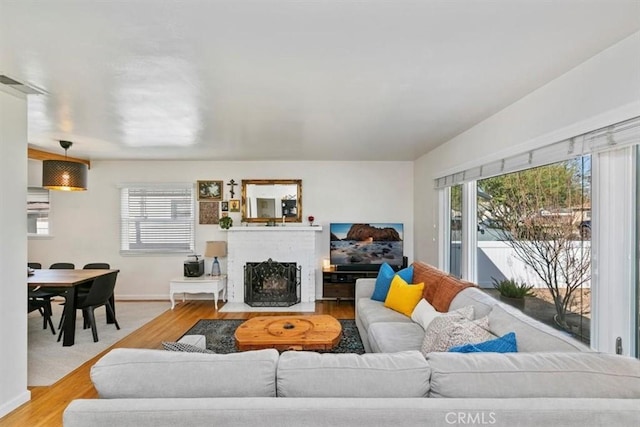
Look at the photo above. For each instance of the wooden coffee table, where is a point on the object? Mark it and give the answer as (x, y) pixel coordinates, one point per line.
(312, 332)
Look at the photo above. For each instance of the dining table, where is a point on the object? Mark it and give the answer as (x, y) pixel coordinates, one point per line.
(67, 281)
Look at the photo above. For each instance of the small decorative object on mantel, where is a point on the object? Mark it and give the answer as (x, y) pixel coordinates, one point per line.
(226, 222)
(231, 185)
(311, 219)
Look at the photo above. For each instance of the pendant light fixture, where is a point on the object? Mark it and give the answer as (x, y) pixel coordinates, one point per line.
(64, 175)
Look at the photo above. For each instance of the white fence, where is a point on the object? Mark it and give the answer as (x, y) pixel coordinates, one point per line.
(496, 259)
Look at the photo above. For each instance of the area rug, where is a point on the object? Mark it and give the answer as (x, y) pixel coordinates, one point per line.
(219, 334)
(49, 361)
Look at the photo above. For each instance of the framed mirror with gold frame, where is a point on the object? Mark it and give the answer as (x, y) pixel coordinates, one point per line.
(271, 200)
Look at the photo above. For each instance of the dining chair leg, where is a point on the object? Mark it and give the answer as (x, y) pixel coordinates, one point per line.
(48, 314)
(60, 332)
(112, 314)
(92, 321)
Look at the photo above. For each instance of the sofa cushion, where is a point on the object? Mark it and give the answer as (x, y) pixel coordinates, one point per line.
(429, 275)
(513, 375)
(310, 374)
(403, 297)
(140, 373)
(370, 311)
(481, 301)
(395, 336)
(533, 336)
(504, 344)
(449, 331)
(446, 290)
(385, 276)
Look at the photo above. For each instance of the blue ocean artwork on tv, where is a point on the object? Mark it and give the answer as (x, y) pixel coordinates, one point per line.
(372, 243)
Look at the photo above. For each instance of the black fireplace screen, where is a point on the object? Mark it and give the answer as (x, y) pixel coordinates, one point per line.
(271, 284)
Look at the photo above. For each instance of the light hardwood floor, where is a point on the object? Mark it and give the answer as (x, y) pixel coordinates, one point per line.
(47, 403)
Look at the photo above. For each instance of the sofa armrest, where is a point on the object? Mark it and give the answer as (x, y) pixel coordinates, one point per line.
(364, 288)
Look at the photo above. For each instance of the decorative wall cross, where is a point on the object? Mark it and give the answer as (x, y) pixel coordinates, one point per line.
(232, 184)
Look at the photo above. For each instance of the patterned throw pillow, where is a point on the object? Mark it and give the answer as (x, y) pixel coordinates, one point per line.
(455, 328)
(178, 346)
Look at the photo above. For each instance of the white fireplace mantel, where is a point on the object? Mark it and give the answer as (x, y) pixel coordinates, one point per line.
(289, 243)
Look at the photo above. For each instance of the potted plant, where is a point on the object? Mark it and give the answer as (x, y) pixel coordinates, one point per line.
(513, 292)
(226, 222)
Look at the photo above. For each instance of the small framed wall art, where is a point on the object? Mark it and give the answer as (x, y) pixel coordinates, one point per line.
(210, 191)
(234, 205)
(209, 213)
(224, 206)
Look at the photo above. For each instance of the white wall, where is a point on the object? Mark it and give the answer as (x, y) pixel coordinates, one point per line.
(13, 251)
(603, 90)
(86, 225)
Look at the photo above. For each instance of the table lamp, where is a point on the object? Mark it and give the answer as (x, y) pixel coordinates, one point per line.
(214, 250)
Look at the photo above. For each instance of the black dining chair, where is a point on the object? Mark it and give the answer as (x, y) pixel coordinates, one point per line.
(84, 288)
(99, 295)
(40, 299)
(43, 305)
(97, 266)
(62, 266)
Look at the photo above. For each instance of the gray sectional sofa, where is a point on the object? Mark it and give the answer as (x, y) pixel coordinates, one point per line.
(552, 381)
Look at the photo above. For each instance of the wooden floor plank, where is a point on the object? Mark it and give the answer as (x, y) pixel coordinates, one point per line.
(47, 403)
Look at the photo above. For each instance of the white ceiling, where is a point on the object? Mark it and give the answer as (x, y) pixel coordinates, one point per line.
(288, 80)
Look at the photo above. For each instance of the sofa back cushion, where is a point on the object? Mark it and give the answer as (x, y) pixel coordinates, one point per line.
(446, 291)
(439, 288)
(532, 335)
(309, 374)
(481, 301)
(513, 375)
(138, 373)
(429, 275)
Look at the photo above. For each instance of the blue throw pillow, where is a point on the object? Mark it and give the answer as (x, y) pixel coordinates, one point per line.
(383, 282)
(504, 344)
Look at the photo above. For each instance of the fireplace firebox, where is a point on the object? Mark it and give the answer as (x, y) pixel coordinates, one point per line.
(271, 284)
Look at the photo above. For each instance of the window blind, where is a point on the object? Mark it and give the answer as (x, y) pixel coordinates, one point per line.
(157, 218)
(607, 138)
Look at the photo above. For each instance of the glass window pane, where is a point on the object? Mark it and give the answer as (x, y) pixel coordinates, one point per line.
(534, 230)
(455, 230)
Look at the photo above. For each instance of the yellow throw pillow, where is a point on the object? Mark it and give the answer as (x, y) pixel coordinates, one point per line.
(403, 297)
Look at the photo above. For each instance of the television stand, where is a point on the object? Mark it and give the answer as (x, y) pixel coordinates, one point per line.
(338, 285)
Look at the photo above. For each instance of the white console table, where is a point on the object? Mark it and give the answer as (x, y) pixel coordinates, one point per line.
(199, 285)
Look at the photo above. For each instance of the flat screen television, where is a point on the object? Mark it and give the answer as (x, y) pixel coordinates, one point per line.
(366, 246)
